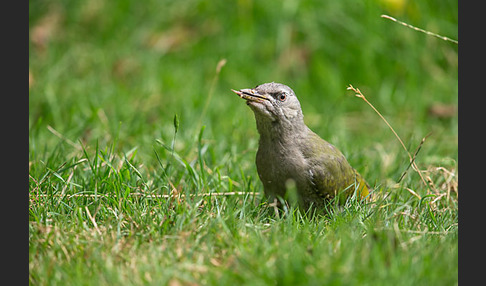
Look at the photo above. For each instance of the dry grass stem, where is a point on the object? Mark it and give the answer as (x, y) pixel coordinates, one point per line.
(412, 159)
(414, 193)
(55, 132)
(420, 30)
(219, 66)
(92, 220)
(175, 195)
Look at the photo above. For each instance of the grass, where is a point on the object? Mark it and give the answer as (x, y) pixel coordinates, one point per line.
(132, 121)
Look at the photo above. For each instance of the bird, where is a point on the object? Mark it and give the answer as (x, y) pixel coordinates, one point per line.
(289, 151)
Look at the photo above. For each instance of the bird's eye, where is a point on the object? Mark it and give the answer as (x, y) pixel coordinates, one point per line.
(282, 96)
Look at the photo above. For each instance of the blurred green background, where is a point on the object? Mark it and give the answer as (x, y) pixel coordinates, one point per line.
(101, 70)
(107, 79)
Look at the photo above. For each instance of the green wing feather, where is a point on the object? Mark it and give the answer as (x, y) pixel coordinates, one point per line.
(330, 171)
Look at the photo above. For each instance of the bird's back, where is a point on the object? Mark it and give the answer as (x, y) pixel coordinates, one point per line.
(331, 172)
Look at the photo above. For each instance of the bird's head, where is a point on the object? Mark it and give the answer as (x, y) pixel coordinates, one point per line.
(272, 101)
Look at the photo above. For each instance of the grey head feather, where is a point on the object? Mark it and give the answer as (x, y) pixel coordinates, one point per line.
(277, 110)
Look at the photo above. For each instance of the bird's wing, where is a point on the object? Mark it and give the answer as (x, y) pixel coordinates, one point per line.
(329, 170)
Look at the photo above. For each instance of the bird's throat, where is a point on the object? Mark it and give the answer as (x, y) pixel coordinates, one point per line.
(279, 129)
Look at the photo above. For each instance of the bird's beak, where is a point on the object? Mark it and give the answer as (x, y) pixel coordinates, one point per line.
(251, 95)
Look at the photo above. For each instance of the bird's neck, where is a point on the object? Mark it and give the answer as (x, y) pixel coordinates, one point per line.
(281, 129)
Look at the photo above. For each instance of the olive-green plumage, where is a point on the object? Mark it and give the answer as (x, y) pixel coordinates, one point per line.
(289, 150)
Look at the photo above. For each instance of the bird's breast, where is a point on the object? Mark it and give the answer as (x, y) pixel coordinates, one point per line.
(277, 164)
